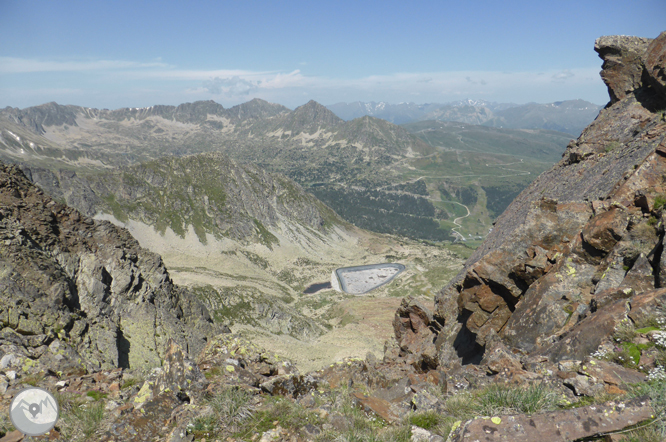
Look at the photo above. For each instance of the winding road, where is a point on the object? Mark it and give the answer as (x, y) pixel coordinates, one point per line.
(455, 221)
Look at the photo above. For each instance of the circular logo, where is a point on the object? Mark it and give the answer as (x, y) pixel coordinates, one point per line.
(34, 411)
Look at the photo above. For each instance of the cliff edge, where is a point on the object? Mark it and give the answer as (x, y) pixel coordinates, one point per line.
(581, 248)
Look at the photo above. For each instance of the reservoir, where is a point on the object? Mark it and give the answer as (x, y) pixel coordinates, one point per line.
(362, 279)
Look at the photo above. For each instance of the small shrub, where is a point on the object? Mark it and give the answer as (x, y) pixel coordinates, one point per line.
(656, 391)
(612, 146)
(131, 382)
(287, 413)
(660, 357)
(213, 372)
(624, 357)
(624, 331)
(503, 399)
(426, 420)
(233, 405)
(80, 420)
(460, 406)
(97, 395)
(659, 202)
(644, 434)
(90, 417)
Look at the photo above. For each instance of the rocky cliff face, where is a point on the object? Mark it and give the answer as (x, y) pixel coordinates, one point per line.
(77, 293)
(581, 248)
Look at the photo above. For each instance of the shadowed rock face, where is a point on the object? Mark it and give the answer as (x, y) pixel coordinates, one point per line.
(77, 293)
(554, 276)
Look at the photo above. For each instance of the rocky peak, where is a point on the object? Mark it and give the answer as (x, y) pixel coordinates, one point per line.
(198, 111)
(311, 116)
(256, 109)
(49, 114)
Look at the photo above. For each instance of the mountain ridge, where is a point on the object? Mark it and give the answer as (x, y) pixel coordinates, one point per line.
(511, 115)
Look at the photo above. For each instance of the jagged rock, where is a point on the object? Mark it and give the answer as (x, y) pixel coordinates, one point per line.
(584, 385)
(499, 359)
(177, 376)
(623, 63)
(604, 230)
(290, 385)
(86, 285)
(655, 63)
(425, 401)
(415, 330)
(555, 426)
(612, 374)
(13, 436)
(639, 278)
(390, 411)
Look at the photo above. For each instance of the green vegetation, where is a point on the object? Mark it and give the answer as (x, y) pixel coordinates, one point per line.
(659, 202)
(654, 430)
(288, 414)
(131, 382)
(612, 146)
(97, 395)
(541, 145)
(79, 419)
(384, 212)
(229, 409)
(265, 237)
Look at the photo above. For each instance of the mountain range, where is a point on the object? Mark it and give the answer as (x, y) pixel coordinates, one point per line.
(353, 166)
(569, 116)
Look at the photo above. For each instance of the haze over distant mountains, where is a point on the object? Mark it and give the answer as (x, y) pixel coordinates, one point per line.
(569, 116)
(415, 180)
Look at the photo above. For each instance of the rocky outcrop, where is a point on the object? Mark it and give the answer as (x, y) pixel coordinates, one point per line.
(581, 247)
(623, 64)
(77, 293)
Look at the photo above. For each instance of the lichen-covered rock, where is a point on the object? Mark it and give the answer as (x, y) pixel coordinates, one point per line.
(82, 293)
(582, 246)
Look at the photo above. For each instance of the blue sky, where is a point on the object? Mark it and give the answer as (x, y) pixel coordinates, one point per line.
(136, 53)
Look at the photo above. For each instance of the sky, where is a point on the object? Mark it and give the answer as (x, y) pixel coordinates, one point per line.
(113, 54)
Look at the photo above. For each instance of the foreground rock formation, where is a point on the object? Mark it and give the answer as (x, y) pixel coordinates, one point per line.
(581, 248)
(77, 294)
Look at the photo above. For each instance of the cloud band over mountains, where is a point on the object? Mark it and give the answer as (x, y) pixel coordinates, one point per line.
(119, 83)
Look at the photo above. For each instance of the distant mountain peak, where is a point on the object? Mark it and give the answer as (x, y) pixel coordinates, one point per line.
(314, 114)
(257, 109)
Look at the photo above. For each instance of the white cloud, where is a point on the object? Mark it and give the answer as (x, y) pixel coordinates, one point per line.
(13, 65)
(562, 76)
(230, 86)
